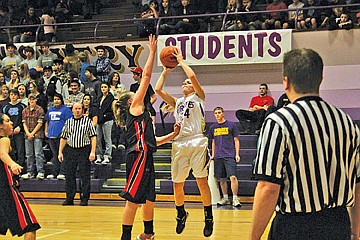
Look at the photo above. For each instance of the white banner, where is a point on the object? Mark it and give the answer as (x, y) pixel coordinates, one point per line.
(241, 47)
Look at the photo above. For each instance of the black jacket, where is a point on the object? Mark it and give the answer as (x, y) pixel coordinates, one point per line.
(105, 109)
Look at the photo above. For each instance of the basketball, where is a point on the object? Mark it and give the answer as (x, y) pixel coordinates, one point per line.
(167, 58)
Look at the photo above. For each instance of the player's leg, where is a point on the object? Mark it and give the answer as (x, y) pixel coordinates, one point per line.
(128, 217)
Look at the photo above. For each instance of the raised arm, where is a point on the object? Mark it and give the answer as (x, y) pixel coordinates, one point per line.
(137, 105)
(190, 74)
(159, 88)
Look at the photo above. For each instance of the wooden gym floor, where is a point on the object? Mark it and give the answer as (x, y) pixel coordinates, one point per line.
(101, 220)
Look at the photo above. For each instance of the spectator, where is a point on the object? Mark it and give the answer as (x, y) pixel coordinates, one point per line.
(33, 119)
(166, 25)
(52, 85)
(4, 21)
(66, 88)
(23, 94)
(60, 73)
(256, 113)
(84, 61)
(71, 60)
(30, 58)
(186, 25)
(41, 99)
(92, 87)
(117, 132)
(294, 17)
(251, 21)
(76, 95)
(14, 110)
(77, 149)
(47, 57)
(14, 79)
(24, 75)
(274, 20)
(344, 22)
(116, 87)
(11, 59)
(2, 79)
(233, 22)
(4, 96)
(149, 11)
(150, 96)
(225, 151)
(312, 17)
(104, 126)
(28, 34)
(89, 110)
(102, 64)
(49, 31)
(63, 12)
(55, 119)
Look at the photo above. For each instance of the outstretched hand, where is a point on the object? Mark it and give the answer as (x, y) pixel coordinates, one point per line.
(177, 53)
(152, 43)
(167, 70)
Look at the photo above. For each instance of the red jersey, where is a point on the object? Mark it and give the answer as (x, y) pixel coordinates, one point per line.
(261, 101)
(279, 6)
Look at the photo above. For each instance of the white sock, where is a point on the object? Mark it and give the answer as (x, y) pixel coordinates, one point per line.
(226, 196)
(235, 197)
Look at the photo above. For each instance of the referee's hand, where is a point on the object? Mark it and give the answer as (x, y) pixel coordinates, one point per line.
(92, 156)
(60, 157)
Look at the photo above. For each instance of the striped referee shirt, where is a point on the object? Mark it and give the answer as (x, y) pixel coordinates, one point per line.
(312, 150)
(78, 132)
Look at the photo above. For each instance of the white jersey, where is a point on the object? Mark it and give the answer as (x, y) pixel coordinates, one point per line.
(191, 113)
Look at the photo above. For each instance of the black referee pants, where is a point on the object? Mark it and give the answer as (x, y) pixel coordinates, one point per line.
(332, 223)
(74, 158)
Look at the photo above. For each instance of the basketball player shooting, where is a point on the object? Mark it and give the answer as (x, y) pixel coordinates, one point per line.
(189, 148)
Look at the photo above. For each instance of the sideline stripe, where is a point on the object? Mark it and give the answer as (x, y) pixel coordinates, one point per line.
(53, 234)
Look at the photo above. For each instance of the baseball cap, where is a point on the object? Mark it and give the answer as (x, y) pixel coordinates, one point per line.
(47, 68)
(137, 70)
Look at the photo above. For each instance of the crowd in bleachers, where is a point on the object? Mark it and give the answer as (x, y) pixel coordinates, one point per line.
(35, 93)
(327, 18)
(25, 12)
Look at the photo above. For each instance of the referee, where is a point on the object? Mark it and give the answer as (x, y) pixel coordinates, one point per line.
(78, 142)
(308, 162)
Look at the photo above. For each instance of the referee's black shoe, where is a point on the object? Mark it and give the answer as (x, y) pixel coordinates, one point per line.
(68, 203)
(181, 223)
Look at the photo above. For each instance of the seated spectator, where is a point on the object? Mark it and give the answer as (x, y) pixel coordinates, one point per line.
(4, 21)
(233, 22)
(344, 22)
(63, 12)
(312, 17)
(331, 13)
(294, 19)
(186, 25)
(275, 20)
(166, 25)
(49, 31)
(257, 110)
(27, 34)
(149, 11)
(250, 21)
